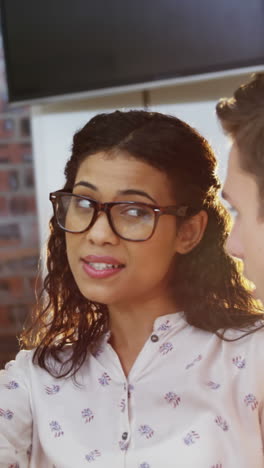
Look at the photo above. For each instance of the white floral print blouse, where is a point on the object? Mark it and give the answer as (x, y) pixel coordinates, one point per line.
(191, 401)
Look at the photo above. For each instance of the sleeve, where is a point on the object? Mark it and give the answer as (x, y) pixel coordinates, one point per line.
(15, 413)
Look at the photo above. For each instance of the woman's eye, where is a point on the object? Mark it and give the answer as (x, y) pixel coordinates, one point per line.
(83, 203)
(137, 212)
(134, 212)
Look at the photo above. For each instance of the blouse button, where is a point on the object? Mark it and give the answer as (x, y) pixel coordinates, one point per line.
(154, 338)
(124, 435)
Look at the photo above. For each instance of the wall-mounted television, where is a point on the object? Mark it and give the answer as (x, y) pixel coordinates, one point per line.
(58, 48)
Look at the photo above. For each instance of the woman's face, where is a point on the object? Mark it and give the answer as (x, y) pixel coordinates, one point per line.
(143, 273)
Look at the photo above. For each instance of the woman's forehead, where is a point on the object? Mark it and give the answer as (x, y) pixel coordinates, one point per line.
(120, 172)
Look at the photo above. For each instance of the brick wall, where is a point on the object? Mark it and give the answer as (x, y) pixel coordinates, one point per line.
(19, 249)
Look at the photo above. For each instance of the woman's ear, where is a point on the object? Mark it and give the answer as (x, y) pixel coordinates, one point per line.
(191, 232)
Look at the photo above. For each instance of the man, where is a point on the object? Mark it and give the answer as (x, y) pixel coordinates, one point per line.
(242, 118)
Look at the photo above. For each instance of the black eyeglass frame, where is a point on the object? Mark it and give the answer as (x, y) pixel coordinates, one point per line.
(182, 211)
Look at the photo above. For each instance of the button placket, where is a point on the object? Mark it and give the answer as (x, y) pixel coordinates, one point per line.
(125, 418)
(130, 389)
(125, 435)
(154, 338)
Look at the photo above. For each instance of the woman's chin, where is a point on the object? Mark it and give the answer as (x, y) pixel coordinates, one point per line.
(100, 297)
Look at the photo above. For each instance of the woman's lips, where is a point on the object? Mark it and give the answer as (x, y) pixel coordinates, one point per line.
(101, 266)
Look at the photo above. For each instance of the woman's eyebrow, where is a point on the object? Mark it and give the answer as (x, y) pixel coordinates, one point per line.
(86, 184)
(120, 192)
(136, 192)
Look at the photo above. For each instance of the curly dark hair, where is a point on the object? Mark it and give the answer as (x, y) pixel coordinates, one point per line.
(209, 288)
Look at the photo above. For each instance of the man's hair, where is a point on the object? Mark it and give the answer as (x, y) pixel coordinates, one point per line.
(242, 118)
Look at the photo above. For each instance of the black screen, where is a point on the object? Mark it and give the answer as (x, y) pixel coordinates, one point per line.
(56, 47)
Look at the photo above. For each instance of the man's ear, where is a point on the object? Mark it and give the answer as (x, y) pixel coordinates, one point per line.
(191, 232)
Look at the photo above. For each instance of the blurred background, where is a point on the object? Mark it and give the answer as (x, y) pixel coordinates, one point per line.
(61, 62)
(19, 245)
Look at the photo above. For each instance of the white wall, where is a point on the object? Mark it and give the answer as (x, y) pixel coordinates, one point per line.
(53, 126)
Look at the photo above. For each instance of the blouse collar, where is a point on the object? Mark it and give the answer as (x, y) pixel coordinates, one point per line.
(162, 324)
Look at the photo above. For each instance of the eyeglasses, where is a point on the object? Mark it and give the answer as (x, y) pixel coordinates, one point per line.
(132, 221)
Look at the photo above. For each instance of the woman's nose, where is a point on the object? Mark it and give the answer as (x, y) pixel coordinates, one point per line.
(101, 232)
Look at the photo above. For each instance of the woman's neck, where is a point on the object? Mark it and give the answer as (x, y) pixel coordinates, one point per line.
(132, 324)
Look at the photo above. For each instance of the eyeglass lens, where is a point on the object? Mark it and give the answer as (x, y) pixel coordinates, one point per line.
(131, 221)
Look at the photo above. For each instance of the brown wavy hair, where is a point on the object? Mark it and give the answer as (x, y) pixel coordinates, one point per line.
(242, 117)
(207, 283)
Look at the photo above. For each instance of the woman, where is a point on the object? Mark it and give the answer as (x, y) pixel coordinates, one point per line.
(141, 353)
